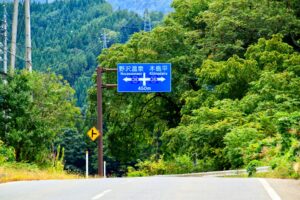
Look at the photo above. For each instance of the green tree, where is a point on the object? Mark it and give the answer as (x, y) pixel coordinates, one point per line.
(36, 108)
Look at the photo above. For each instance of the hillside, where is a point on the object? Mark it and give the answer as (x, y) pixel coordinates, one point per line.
(72, 50)
(140, 6)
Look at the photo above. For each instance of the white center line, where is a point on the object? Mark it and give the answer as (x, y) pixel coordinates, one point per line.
(101, 194)
(272, 193)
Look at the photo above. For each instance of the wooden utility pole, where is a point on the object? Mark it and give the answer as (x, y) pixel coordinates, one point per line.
(28, 36)
(13, 49)
(100, 87)
(100, 121)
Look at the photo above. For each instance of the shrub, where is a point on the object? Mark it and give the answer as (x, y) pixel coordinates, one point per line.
(251, 167)
(282, 167)
(7, 154)
(237, 141)
(136, 173)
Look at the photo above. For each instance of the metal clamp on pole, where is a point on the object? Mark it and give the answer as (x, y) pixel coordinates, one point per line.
(109, 69)
(109, 86)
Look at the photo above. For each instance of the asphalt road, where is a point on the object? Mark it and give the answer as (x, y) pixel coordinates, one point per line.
(160, 188)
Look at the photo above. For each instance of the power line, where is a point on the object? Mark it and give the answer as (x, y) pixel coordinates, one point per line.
(17, 56)
(88, 50)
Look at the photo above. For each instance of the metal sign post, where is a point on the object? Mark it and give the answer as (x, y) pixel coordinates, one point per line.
(87, 164)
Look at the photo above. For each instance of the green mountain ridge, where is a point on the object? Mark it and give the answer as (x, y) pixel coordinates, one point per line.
(67, 37)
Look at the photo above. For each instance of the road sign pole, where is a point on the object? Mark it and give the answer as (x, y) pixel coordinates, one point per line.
(104, 169)
(100, 121)
(87, 164)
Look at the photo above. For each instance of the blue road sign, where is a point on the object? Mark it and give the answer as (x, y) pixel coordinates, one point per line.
(142, 77)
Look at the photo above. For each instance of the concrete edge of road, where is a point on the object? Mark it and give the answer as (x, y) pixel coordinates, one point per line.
(220, 173)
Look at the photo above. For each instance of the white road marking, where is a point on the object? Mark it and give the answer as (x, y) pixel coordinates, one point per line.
(101, 194)
(272, 193)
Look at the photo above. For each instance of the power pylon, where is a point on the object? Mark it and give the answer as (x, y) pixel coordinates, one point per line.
(147, 21)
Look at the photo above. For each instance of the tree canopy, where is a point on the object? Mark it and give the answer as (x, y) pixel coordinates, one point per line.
(235, 76)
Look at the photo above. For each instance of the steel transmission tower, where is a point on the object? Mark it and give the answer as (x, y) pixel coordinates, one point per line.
(147, 21)
(104, 40)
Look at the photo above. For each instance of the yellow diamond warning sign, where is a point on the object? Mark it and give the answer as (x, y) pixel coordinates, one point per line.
(93, 133)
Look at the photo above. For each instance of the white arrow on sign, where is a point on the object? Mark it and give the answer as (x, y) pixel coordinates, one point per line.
(126, 79)
(161, 79)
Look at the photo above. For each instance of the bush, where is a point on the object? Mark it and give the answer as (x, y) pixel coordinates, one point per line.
(136, 173)
(283, 167)
(178, 165)
(7, 154)
(251, 167)
(237, 141)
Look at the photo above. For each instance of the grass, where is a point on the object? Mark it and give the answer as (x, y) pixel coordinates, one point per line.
(25, 172)
(271, 174)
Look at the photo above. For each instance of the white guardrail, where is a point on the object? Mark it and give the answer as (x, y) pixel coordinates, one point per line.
(222, 173)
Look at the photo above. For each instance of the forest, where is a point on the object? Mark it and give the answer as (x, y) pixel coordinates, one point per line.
(67, 37)
(235, 101)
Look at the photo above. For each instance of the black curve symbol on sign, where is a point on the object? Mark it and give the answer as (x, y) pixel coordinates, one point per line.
(93, 133)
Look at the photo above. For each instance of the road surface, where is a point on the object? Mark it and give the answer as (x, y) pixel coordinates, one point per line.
(152, 188)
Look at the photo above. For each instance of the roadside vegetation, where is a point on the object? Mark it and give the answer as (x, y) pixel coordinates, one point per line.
(26, 172)
(235, 100)
(10, 170)
(35, 108)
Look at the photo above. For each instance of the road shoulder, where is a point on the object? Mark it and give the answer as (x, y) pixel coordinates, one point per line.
(287, 189)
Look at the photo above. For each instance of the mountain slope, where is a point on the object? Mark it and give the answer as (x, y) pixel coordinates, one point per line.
(67, 37)
(139, 6)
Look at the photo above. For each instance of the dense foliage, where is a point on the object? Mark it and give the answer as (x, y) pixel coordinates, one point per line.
(235, 97)
(67, 36)
(35, 108)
